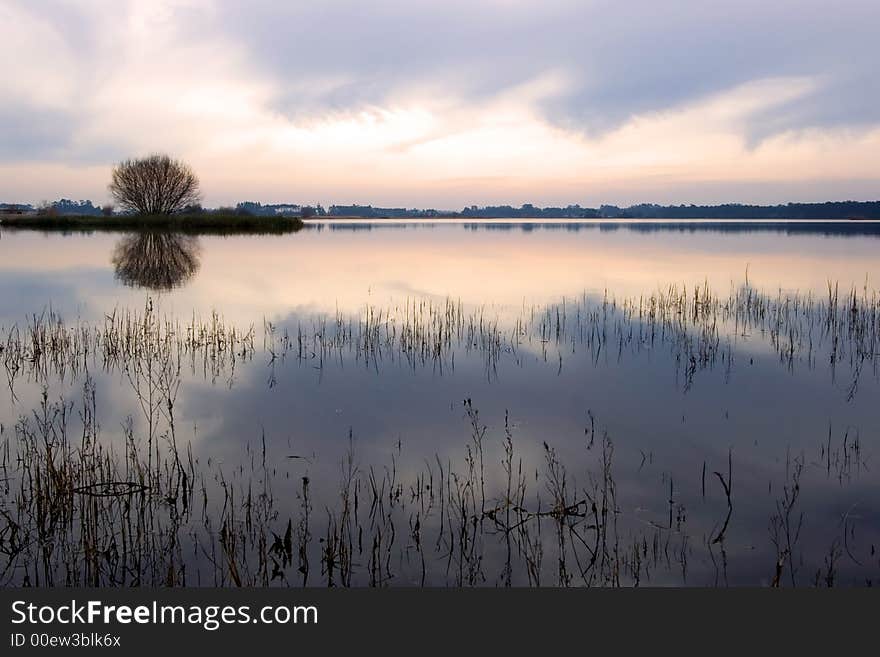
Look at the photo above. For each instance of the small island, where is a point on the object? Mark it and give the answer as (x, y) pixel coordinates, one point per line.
(152, 193)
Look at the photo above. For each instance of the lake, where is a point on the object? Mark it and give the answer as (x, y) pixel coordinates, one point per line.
(443, 403)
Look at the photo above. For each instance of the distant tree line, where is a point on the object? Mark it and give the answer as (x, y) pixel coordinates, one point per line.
(529, 211)
(828, 210)
(61, 206)
(280, 209)
(496, 211)
(68, 206)
(370, 212)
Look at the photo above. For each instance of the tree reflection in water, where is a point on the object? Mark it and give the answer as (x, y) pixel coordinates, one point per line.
(156, 260)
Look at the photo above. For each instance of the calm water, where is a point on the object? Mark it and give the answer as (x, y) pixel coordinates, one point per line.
(551, 327)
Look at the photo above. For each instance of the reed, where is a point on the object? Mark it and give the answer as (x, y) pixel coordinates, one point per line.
(139, 507)
(699, 329)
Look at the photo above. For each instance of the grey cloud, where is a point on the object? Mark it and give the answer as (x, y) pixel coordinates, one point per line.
(847, 101)
(28, 133)
(623, 58)
(33, 134)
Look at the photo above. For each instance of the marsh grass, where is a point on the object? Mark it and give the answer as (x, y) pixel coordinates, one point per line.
(145, 511)
(138, 507)
(699, 329)
(76, 512)
(201, 223)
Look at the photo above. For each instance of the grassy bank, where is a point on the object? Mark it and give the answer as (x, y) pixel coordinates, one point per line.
(201, 223)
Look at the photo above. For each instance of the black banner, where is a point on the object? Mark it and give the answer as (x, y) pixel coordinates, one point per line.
(410, 621)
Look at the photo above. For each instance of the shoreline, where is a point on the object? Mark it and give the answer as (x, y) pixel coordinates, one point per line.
(584, 220)
(202, 224)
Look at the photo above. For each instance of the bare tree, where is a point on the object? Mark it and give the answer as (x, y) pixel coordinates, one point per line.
(154, 185)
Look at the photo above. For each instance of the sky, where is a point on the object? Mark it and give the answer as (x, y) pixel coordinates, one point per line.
(424, 103)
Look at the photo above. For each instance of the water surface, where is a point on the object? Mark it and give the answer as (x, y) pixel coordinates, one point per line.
(389, 345)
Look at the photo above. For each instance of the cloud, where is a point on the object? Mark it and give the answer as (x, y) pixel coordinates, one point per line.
(623, 59)
(445, 103)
